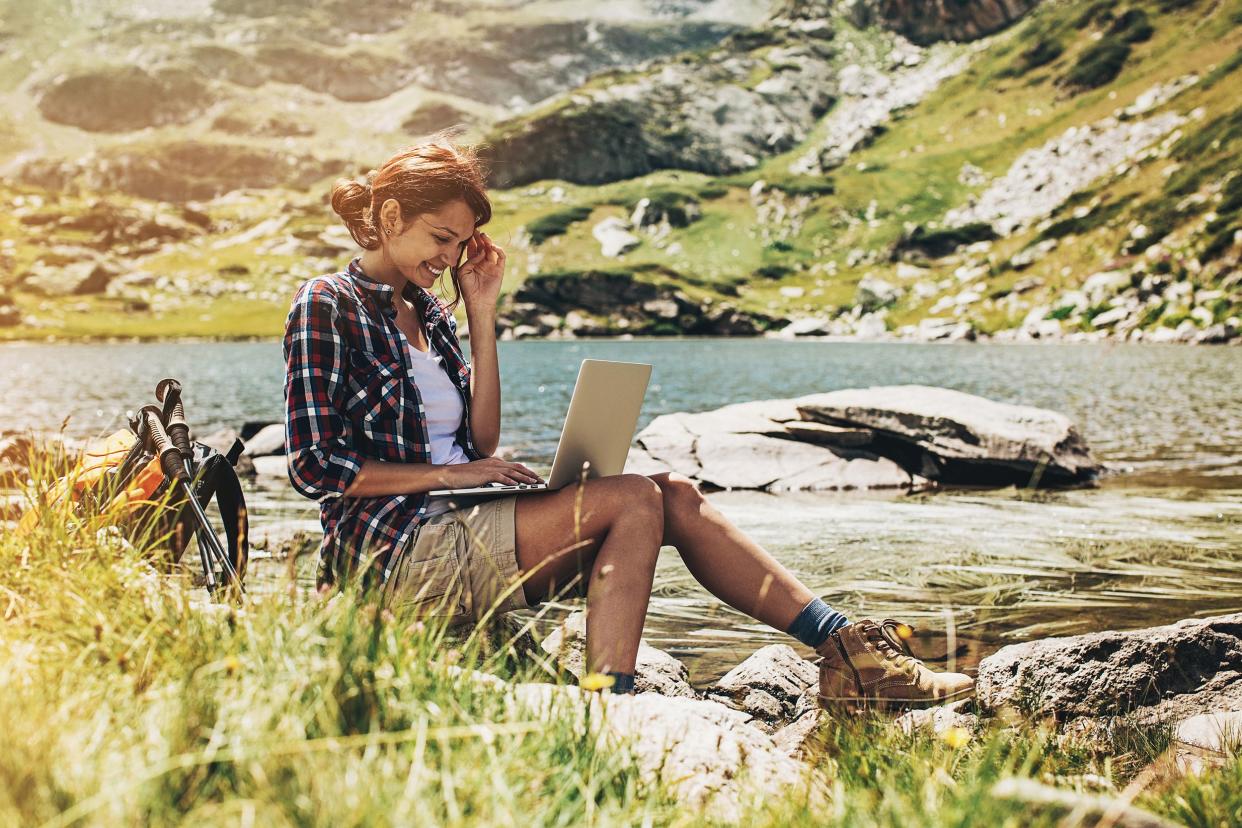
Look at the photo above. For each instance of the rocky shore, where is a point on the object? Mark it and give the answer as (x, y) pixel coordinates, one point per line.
(757, 724)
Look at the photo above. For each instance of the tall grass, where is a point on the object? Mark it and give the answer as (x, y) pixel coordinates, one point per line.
(130, 699)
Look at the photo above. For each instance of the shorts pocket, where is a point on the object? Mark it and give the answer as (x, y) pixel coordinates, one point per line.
(428, 579)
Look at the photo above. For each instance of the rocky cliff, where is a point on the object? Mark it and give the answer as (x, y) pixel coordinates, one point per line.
(931, 21)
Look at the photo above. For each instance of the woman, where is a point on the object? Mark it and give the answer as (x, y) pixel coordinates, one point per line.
(382, 408)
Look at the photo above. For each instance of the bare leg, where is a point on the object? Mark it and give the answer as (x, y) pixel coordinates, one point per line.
(608, 530)
(724, 560)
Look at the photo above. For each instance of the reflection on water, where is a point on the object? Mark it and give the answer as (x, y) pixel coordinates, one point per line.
(1159, 543)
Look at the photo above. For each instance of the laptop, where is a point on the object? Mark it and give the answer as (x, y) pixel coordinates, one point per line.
(598, 430)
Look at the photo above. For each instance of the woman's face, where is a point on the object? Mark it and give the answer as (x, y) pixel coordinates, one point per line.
(422, 247)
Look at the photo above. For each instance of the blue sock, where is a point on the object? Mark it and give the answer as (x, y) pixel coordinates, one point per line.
(623, 682)
(815, 623)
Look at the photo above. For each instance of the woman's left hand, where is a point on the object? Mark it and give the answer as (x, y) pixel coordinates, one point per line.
(481, 274)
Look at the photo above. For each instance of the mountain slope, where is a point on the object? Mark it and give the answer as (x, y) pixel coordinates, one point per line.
(1072, 175)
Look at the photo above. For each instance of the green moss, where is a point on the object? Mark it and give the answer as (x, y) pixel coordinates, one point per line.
(1099, 65)
(556, 224)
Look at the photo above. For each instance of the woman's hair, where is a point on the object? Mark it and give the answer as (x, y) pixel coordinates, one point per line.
(421, 178)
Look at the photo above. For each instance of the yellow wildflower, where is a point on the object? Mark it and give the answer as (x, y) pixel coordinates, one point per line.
(595, 682)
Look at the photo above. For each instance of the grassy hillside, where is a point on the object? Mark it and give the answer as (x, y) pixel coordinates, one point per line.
(1068, 65)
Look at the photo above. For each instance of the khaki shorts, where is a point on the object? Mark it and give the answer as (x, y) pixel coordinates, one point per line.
(460, 564)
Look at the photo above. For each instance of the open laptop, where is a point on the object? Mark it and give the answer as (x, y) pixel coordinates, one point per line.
(603, 413)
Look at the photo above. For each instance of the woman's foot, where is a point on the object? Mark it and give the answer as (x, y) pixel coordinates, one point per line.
(867, 665)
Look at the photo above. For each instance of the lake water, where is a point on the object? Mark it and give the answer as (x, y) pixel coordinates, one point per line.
(1159, 540)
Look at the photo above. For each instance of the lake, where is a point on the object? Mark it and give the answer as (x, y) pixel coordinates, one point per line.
(1160, 539)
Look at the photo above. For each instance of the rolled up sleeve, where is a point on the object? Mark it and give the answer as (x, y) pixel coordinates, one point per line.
(322, 459)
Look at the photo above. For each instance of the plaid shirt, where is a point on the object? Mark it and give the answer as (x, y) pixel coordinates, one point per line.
(349, 396)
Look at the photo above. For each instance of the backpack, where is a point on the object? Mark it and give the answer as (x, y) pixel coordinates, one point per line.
(120, 482)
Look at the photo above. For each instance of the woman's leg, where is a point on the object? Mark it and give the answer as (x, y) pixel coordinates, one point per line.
(724, 560)
(607, 530)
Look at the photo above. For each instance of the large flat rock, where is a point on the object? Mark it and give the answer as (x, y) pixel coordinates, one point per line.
(1164, 674)
(748, 446)
(970, 439)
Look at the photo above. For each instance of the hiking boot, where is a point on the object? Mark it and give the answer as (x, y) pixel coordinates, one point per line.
(868, 665)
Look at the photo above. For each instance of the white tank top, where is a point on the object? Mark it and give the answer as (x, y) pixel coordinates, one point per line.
(444, 410)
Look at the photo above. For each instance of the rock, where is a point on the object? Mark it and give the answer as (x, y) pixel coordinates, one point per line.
(868, 103)
(1207, 740)
(810, 326)
(1097, 809)
(939, 720)
(655, 672)
(614, 237)
(1156, 674)
(712, 760)
(1041, 179)
(768, 684)
(10, 314)
(77, 279)
(743, 446)
(282, 541)
(180, 170)
(829, 435)
(701, 113)
(873, 293)
(271, 440)
(1212, 335)
(972, 439)
(124, 98)
(798, 739)
(929, 22)
(273, 466)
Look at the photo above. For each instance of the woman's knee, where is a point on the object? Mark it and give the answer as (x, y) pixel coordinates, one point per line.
(642, 497)
(678, 492)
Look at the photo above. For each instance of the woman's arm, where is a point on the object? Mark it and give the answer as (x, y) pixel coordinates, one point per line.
(480, 278)
(377, 478)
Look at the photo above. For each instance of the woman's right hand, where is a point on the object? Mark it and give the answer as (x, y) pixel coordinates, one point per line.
(487, 470)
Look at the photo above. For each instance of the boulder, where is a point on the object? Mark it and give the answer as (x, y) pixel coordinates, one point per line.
(124, 98)
(274, 466)
(271, 440)
(971, 439)
(768, 684)
(829, 435)
(614, 237)
(79, 278)
(746, 446)
(707, 754)
(1157, 674)
(655, 672)
(929, 22)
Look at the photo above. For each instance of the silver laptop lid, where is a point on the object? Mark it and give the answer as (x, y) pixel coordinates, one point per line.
(603, 414)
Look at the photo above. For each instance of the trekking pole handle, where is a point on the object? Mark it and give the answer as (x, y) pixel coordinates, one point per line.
(170, 455)
(168, 392)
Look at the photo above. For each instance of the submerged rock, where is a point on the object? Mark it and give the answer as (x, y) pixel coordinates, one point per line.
(1156, 674)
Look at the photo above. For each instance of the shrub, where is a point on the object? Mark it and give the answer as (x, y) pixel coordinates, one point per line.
(1076, 226)
(674, 204)
(556, 224)
(1045, 51)
(773, 271)
(806, 186)
(942, 242)
(1099, 65)
(1133, 26)
(711, 192)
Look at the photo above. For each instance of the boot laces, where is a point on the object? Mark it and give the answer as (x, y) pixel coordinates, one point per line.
(893, 645)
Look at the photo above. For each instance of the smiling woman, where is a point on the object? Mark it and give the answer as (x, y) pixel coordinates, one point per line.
(382, 408)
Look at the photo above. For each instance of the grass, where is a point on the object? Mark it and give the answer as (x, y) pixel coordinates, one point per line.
(128, 699)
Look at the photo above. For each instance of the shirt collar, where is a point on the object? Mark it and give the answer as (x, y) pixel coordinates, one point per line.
(428, 307)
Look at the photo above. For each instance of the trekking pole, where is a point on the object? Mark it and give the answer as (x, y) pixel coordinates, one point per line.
(168, 392)
(175, 469)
